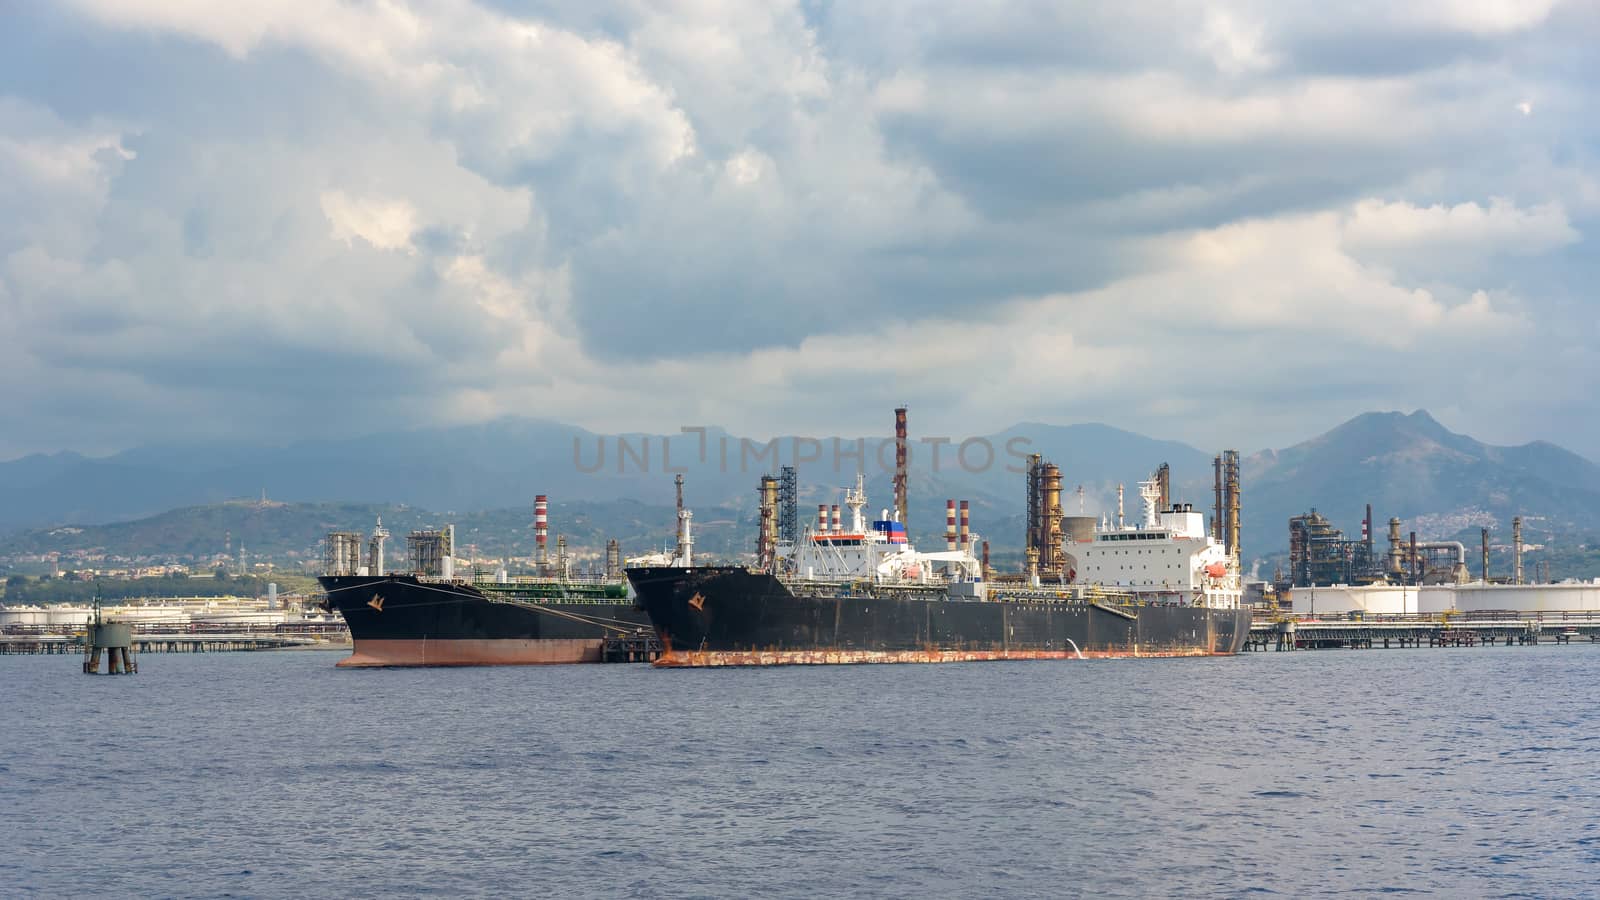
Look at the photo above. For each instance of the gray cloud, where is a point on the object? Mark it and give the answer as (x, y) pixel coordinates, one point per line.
(1230, 224)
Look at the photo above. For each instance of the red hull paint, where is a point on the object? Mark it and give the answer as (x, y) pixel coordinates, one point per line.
(680, 659)
(373, 653)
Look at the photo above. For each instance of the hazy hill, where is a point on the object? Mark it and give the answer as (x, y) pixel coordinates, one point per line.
(1412, 467)
(483, 478)
(285, 532)
(506, 463)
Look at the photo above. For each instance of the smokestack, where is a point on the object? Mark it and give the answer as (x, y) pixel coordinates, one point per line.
(1516, 550)
(838, 521)
(541, 529)
(1366, 533)
(1416, 563)
(822, 517)
(966, 536)
(901, 451)
(985, 568)
(1395, 567)
(1217, 513)
(613, 558)
(1164, 484)
(1485, 556)
(949, 525)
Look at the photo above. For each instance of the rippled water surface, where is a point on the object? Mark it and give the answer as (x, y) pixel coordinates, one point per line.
(1457, 772)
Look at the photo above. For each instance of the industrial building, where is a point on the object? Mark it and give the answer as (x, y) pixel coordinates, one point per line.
(1320, 554)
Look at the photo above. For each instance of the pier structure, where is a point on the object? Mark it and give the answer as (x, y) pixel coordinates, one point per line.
(28, 640)
(1442, 630)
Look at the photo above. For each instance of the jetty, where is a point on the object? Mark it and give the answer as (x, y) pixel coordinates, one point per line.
(1360, 632)
(54, 639)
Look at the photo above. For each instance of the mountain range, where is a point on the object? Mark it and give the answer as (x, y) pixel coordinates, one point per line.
(1406, 465)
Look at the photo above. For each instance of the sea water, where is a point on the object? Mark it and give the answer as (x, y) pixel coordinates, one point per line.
(1454, 772)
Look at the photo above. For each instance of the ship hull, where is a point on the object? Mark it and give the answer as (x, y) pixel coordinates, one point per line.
(734, 617)
(400, 621)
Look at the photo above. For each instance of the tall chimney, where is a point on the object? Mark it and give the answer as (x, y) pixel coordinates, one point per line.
(541, 528)
(1485, 556)
(1366, 533)
(1395, 552)
(1218, 530)
(1416, 562)
(1164, 484)
(949, 525)
(838, 520)
(985, 568)
(901, 451)
(966, 536)
(822, 517)
(1516, 550)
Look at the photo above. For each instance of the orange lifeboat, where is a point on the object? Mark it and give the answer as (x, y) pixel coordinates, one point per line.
(1217, 570)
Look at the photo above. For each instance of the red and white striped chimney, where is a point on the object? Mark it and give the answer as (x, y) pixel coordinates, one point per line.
(541, 526)
(838, 521)
(822, 517)
(965, 536)
(949, 524)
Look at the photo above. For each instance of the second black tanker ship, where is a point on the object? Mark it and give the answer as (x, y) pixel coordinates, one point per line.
(430, 617)
(404, 620)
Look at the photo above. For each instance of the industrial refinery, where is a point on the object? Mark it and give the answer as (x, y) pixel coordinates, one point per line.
(1330, 573)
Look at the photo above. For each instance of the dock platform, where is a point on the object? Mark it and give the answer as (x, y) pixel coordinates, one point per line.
(631, 648)
(28, 640)
(1441, 630)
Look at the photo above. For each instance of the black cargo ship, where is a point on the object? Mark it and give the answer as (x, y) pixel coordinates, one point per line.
(401, 620)
(732, 616)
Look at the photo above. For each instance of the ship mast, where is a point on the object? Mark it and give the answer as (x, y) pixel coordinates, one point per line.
(857, 500)
(1150, 493)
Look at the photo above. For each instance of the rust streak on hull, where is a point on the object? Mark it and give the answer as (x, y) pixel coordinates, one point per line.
(377, 653)
(682, 659)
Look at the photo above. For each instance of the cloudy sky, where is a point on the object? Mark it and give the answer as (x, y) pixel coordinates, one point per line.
(1229, 224)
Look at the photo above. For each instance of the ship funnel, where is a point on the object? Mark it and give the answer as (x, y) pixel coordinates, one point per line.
(966, 539)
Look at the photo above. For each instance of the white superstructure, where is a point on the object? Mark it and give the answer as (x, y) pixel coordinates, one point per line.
(1167, 556)
(881, 553)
